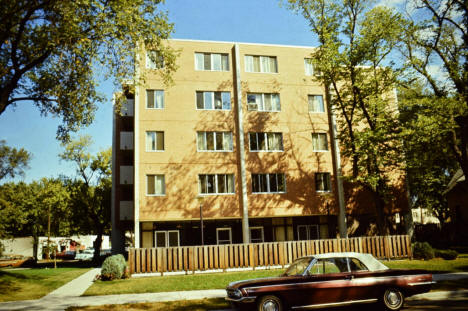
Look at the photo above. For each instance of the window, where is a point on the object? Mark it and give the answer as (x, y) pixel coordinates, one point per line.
(256, 235)
(268, 183)
(155, 185)
(263, 102)
(211, 62)
(265, 64)
(329, 265)
(308, 232)
(167, 238)
(223, 236)
(316, 103)
(266, 141)
(214, 141)
(154, 60)
(322, 182)
(154, 141)
(356, 265)
(154, 99)
(319, 142)
(213, 100)
(216, 183)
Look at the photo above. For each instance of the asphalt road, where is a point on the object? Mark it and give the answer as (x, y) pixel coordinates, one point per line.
(415, 305)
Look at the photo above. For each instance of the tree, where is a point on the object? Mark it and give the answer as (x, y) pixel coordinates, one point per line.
(91, 189)
(52, 50)
(353, 59)
(428, 126)
(25, 209)
(12, 161)
(436, 47)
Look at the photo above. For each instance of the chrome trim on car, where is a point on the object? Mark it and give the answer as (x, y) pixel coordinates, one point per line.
(421, 283)
(242, 299)
(335, 304)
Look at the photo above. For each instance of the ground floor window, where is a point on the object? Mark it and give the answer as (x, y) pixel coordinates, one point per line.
(167, 238)
(223, 236)
(308, 232)
(256, 235)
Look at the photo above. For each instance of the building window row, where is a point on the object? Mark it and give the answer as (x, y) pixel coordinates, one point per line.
(224, 183)
(208, 100)
(263, 64)
(223, 141)
(211, 62)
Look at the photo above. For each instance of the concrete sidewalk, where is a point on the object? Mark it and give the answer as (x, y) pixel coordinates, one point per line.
(69, 295)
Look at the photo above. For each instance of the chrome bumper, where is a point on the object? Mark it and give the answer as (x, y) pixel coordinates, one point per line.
(242, 299)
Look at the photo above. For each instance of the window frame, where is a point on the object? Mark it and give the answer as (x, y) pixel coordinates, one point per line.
(164, 185)
(216, 185)
(213, 99)
(261, 67)
(156, 141)
(224, 229)
(320, 134)
(166, 237)
(328, 182)
(231, 144)
(149, 64)
(268, 186)
(154, 99)
(308, 103)
(266, 142)
(262, 98)
(262, 233)
(221, 55)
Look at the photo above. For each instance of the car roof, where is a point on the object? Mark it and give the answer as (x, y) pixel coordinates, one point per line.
(367, 259)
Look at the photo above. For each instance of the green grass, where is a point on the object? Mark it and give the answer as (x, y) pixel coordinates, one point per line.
(220, 280)
(34, 283)
(175, 282)
(183, 305)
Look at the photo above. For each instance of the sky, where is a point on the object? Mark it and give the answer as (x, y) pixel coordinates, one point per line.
(255, 21)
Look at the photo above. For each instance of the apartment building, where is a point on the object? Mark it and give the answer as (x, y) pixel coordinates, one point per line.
(238, 149)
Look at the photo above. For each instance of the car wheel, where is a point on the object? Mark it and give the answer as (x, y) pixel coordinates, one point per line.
(393, 299)
(269, 303)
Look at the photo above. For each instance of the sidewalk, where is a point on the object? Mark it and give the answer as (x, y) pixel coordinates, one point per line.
(69, 295)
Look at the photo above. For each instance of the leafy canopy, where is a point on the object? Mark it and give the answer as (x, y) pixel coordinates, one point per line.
(12, 161)
(52, 50)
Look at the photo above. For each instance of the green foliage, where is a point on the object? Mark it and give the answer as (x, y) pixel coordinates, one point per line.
(53, 52)
(12, 161)
(447, 254)
(113, 268)
(423, 250)
(356, 42)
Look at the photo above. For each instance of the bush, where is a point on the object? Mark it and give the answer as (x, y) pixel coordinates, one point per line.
(113, 267)
(447, 254)
(423, 250)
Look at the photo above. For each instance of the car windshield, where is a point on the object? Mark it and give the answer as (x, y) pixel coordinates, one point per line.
(297, 267)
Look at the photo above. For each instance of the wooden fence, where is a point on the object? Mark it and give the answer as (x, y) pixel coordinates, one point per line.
(193, 258)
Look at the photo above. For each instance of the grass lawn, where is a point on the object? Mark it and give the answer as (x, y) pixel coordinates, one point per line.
(34, 283)
(184, 305)
(220, 280)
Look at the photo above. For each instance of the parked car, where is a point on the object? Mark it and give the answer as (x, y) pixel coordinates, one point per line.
(85, 255)
(329, 280)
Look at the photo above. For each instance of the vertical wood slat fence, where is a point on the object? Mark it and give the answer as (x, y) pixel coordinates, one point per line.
(193, 258)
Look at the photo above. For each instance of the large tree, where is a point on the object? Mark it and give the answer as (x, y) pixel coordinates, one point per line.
(356, 41)
(12, 161)
(91, 189)
(52, 50)
(437, 49)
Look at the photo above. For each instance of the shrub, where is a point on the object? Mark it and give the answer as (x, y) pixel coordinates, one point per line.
(447, 254)
(113, 267)
(423, 250)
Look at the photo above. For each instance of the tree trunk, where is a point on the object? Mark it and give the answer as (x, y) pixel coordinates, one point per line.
(97, 247)
(381, 218)
(35, 244)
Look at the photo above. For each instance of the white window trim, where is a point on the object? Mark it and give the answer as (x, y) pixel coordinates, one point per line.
(166, 235)
(224, 229)
(266, 139)
(154, 96)
(232, 144)
(212, 98)
(324, 191)
(268, 184)
(263, 102)
(263, 234)
(320, 150)
(323, 101)
(216, 185)
(211, 56)
(155, 195)
(261, 72)
(146, 143)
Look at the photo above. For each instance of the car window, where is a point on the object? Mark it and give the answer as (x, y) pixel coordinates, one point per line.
(297, 267)
(356, 265)
(329, 265)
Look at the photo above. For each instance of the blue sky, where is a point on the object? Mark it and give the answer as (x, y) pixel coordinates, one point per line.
(260, 21)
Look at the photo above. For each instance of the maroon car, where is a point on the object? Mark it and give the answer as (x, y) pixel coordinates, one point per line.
(328, 280)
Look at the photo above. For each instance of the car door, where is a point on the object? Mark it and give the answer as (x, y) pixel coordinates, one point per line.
(364, 285)
(328, 281)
